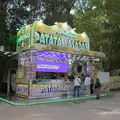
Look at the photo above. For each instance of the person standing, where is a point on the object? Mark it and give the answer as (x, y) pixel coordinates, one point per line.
(91, 86)
(77, 82)
(97, 88)
(87, 84)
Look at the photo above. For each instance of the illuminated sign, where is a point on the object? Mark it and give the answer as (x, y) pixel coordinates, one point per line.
(58, 35)
(25, 36)
(61, 41)
(49, 61)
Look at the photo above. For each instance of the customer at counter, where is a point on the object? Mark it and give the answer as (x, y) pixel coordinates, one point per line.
(87, 84)
(77, 82)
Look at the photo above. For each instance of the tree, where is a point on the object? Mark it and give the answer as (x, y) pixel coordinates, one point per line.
(113, 32)
(112, 10)
(26, 11)
(101, 28)
(23, 12)
(3, 30)
(58, 11)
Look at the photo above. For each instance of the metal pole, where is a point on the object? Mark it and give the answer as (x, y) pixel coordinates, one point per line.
(30, 81)
(101, 62)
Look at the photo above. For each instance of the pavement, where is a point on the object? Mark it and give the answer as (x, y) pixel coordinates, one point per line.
(107, 108)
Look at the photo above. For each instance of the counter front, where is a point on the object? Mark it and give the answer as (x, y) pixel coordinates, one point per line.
(51, 88)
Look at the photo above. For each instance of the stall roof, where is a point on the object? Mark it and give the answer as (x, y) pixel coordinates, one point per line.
(69, 50)
(39, 47)
(58, 37)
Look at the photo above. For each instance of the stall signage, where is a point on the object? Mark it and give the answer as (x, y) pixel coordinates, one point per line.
(60, 40)
(23, 42)
(47, 66)
(25, 36)
(51, 90)
(63, 32)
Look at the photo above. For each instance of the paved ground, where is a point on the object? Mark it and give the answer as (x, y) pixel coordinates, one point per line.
(104, 109)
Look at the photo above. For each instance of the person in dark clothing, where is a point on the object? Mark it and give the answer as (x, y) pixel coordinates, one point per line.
(82, 77)
(91, 86)
(71, 78)
(97, 88)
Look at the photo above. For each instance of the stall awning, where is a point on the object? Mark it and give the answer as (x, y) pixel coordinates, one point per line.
(69, 50)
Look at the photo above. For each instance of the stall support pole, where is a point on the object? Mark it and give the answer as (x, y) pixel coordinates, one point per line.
(30, 42)
(29, 88)
(8, 83)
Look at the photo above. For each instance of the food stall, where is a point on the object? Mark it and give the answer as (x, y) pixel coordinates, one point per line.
(47, 55)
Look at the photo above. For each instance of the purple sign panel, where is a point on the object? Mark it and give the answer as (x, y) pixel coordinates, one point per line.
(46, 66)
(50, 61)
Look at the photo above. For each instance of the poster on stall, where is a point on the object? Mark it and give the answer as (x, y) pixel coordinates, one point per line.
(22, 90)
(20, 73)
(20, 76)
(30, 71)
